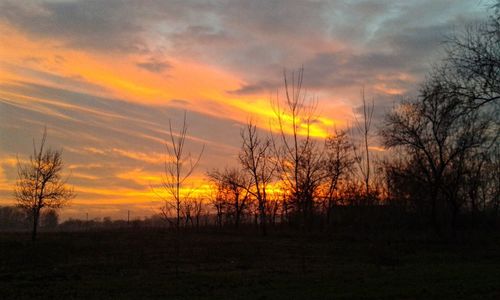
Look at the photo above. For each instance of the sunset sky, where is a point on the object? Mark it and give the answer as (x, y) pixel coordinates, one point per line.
(105, 77)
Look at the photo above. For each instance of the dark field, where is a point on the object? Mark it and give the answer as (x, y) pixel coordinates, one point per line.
(141, 264)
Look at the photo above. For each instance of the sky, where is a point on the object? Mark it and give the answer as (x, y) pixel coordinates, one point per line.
(106, 77)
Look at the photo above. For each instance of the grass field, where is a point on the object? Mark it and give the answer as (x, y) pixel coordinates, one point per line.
(138, 264)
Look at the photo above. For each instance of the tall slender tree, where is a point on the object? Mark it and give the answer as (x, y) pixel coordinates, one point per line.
(363, 127)
(178, 167)
(298, 157)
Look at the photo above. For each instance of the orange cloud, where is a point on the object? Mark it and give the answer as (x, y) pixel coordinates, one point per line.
(195, 83)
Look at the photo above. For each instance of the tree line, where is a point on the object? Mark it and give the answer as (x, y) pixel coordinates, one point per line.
(443, 151)
(442, 167)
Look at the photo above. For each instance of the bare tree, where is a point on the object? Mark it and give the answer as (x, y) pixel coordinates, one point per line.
(448, 135)
(363, 128)
(191, 211)
(187, 211)
(298, 156)
(338, 164)
(255, 157)
(178, 167)
(197, 210)
(275, 204)
(167, 213)
(237, 185)
(439, 134)
(40, 183)
(217, 198)
(472, 66)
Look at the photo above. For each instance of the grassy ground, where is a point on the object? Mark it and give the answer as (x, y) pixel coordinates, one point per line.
(141, 264)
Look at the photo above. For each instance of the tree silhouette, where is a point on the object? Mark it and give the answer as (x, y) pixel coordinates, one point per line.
(298, 157)
(472, 65)
(237, 185)
(439, 135)
(449, 135)
(363, 128)
(178, 167)
(255, 157)
(40, 184)
(338, 163)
